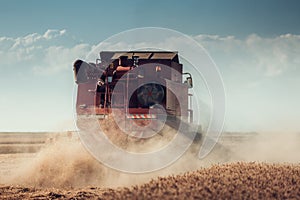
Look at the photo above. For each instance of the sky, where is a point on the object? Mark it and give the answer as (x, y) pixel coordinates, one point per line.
(255, 45)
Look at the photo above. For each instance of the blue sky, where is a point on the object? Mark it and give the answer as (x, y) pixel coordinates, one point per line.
(94, 21)
(254, 43)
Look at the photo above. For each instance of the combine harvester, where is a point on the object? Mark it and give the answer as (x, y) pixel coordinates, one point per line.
(142, 91)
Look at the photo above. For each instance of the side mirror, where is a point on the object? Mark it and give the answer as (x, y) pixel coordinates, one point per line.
(189, 82)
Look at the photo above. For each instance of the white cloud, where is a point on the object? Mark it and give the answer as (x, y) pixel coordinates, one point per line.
(57, 58)
(54, 49)
(268, 56)
(52, 33)
(50, 52)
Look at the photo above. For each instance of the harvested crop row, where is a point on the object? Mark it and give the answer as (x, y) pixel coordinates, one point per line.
(232, 181)
(228, 181)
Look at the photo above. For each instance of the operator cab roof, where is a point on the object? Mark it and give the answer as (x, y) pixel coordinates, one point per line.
(147, 55)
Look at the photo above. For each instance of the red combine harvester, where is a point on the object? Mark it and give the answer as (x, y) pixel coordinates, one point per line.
(137, 87)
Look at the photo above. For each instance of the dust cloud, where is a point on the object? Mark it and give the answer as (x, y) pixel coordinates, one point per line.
(65, 163)
(61, 164)
(270, 147)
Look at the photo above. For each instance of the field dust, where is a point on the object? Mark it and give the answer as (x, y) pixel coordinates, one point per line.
(242, 165)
